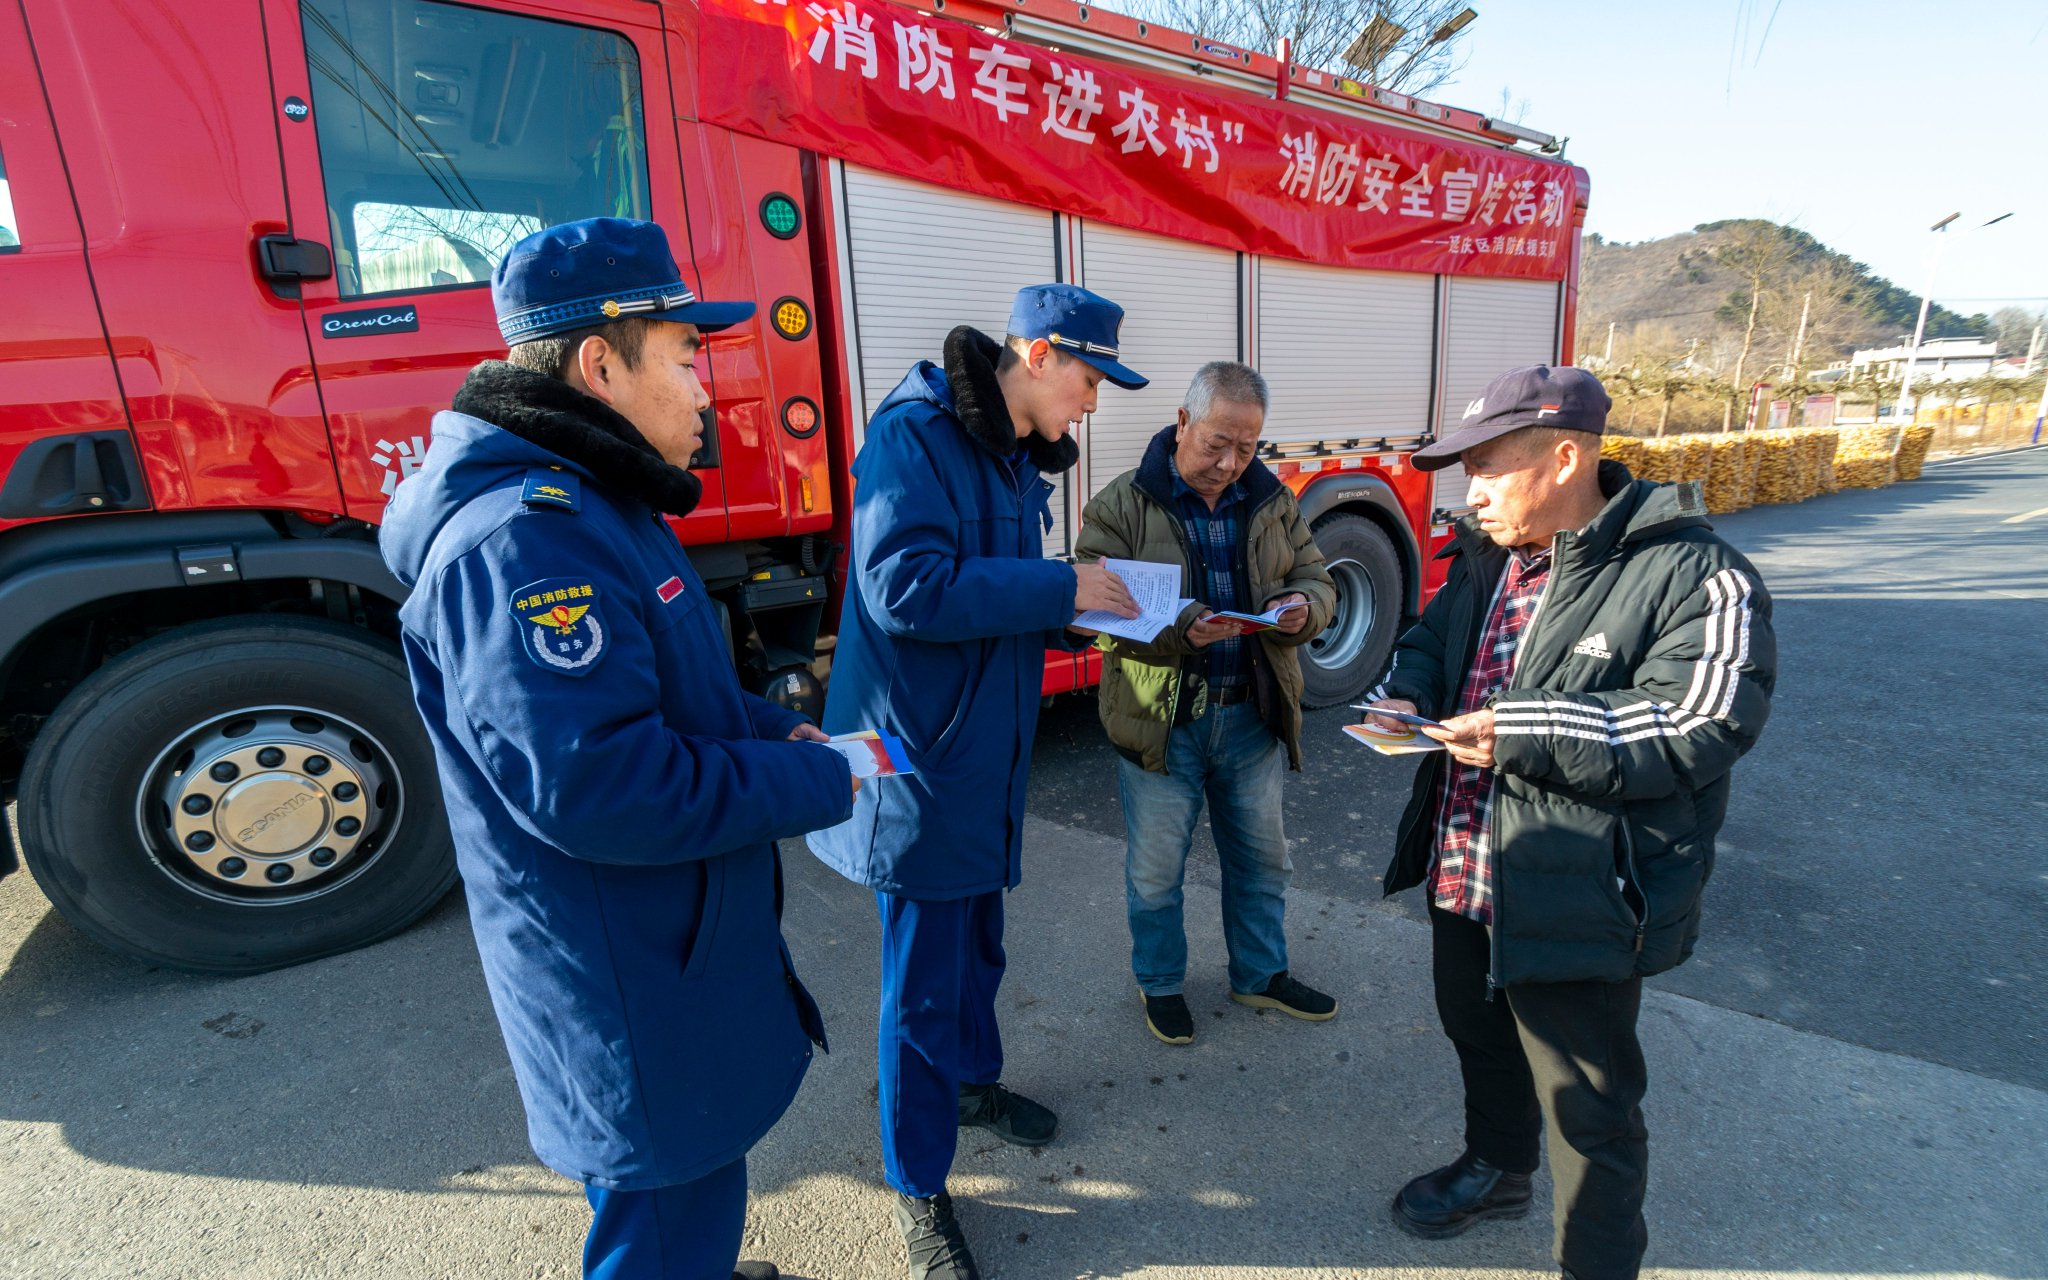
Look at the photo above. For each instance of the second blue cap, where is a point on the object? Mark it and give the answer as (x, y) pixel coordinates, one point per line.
(1082, 324)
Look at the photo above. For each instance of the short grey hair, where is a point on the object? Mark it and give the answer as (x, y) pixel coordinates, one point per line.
(1225, 380)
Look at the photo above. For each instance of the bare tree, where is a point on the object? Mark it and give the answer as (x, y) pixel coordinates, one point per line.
(1760, 254)
(1815, 312)
(2013, 329)
(1321, 30)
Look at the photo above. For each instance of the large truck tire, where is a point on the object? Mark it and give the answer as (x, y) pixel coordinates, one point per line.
(1341, 663)
(237, 796)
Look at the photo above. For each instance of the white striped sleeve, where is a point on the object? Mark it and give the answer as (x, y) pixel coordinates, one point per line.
(1716, 677)
(1718, 671)
(1379, 691)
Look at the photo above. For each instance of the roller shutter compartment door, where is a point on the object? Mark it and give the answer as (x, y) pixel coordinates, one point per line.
(1347, 353)
(1180, 306)
(1490, 326)
(925, 259)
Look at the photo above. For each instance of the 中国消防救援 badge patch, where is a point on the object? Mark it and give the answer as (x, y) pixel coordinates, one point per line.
(560, 624)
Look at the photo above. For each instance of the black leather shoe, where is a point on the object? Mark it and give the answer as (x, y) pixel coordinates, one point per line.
(1010, 1116)
(1452, 1199)
(931, 1234)
(755, 1271)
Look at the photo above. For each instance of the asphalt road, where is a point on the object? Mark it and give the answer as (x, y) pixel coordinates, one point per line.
(1883, 877)
(1848, 1080)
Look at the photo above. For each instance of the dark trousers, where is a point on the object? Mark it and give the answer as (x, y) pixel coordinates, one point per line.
(941, 965)
(690, 1231)
(1560, 1060)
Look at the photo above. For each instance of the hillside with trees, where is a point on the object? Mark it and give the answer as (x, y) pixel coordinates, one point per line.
(1698, 317)
(1692, 293)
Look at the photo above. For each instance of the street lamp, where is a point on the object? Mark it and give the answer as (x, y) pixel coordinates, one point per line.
(1927, 297)
(1454, 25)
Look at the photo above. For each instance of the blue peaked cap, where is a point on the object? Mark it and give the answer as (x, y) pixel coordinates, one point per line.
(578, 274)
(1080, 323)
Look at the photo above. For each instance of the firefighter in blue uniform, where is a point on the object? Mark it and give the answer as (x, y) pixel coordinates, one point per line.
(615, 795)
(942, 643)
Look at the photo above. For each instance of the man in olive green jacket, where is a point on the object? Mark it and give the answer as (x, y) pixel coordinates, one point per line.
(1205, 709)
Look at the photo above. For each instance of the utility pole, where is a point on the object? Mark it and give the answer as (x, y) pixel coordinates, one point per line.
(1608, 359)
(1920, 326)
(2033, 353)
(1926, 297)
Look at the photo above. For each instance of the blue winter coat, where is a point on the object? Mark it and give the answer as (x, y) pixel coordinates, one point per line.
(942, 640)
(615, 797)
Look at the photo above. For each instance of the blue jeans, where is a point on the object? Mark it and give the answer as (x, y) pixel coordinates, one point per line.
(1233, 760)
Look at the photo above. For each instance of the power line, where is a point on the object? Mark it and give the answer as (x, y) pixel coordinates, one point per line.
(1767, 34)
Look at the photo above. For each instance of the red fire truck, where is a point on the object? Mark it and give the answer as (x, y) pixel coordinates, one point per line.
(246, 244)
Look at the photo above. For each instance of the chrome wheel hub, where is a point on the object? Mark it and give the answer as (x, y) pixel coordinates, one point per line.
(267, 801)
(1340, 643)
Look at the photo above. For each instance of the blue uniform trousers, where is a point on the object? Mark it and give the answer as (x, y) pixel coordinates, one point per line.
(941, 965)
(689, 1231)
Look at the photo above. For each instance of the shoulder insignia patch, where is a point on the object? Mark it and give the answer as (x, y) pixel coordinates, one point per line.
(547, 487)
(560, 624)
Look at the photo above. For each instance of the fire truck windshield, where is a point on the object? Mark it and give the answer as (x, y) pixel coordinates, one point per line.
(446, 133)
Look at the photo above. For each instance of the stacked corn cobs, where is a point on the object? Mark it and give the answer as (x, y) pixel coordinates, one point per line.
(1868, 457)
(1778, 477)
(1741, 468)
(1728, 483)
(1913, 451)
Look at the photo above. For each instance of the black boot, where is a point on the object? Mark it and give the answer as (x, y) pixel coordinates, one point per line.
(933, 1239)
(1449, 1200)
(1010, 1116)
(755, 1271)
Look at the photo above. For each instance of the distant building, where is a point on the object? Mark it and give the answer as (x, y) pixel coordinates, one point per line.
(1940, 360)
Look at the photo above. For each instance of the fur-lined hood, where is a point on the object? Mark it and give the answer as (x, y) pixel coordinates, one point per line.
(550, 413)
(506, 422)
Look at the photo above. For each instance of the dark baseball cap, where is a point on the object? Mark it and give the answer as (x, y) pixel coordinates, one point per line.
(1538, 396)
(578, 274)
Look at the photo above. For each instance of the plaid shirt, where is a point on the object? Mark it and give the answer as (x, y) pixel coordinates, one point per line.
(1217, 536)
(1464, 851)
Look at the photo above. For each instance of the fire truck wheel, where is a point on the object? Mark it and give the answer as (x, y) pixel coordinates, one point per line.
(237, 796)
(1341, 663)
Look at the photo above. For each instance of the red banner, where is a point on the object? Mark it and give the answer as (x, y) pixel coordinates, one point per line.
(882, 85)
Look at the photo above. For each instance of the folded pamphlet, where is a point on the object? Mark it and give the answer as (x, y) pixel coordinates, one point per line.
(1393, 742)
(1253, 623)
(1403, 716)
(872, 754)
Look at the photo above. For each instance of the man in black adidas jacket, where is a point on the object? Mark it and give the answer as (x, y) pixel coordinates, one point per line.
(1600, 660)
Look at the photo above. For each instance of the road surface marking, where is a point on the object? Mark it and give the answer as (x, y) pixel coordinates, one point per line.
(2025, 516)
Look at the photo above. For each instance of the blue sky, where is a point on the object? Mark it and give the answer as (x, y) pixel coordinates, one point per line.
(1862, 123)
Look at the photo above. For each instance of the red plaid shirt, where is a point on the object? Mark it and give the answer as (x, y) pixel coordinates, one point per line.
(1464, 848)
